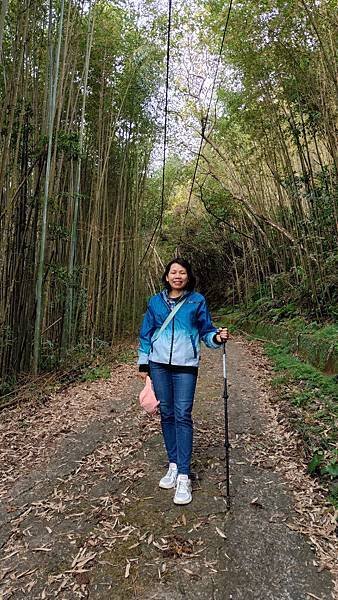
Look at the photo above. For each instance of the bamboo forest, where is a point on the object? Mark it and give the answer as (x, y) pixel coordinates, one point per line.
(134, 132)
(80, 114)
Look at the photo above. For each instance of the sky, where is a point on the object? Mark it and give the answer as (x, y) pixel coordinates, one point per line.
(192, 70)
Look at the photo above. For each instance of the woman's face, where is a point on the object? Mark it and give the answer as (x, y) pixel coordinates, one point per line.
(177, 277)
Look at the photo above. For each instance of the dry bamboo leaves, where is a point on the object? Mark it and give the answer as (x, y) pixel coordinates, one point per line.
(173, 545)
(31, 433)
(80, 560)
(278, 448)
(71, 491)
(127, 571)
(256, 502)
(221, 533)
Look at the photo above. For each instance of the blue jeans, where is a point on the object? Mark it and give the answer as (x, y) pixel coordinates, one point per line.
(175, 391)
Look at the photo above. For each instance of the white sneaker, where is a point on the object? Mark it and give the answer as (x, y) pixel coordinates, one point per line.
(169, 480)
(183, 490)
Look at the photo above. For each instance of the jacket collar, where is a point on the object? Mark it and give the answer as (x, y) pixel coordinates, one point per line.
(166, 298)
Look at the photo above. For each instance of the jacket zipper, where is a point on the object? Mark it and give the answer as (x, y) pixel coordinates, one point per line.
(172, 334)
(172, 340)
(193, 346)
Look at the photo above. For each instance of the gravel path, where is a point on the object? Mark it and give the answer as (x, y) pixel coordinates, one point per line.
(90, 521)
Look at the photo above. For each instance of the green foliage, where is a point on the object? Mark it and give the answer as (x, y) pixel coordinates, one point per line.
(49, 355)
(315, 415)
(301, 371)
(58, 232)
(318, 465)
(69, 144)
(273, 319)
(110, 70)
(218, 201)
(6, 387)
(96, 373)
(331, 469)
(127, 356)
(333, 497)
(309, 396)
(315, 462)
(267, 180)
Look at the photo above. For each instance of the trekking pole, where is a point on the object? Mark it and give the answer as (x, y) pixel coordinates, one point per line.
(226, 430)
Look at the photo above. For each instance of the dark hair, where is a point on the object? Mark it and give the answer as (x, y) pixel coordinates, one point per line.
(187, 266)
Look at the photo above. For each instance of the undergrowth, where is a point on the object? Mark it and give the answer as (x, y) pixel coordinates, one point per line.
(95, 373)
(314, 341)
(311, 396)
(84, 363)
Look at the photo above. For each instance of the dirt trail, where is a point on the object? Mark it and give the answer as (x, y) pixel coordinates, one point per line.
(90, 521)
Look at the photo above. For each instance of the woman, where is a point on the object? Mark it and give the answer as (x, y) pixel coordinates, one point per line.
(171, 358)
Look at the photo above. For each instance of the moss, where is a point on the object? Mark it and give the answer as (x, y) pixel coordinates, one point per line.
(304, 356)
(313, 396)
(316, 343)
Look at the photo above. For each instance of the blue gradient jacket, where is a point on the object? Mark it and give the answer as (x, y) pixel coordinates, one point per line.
(179, 343)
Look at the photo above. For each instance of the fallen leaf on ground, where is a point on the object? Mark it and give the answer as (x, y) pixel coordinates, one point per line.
(256, 502)
(221, 533)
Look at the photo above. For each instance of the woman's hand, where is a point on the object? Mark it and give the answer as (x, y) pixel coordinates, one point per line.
(222, 335)
(143, 375)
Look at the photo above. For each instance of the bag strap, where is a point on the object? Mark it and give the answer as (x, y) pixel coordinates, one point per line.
(168, 319)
